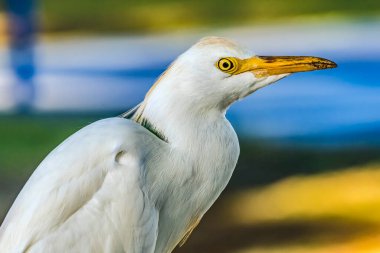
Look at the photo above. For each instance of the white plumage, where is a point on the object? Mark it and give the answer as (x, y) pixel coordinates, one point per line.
(140, 185)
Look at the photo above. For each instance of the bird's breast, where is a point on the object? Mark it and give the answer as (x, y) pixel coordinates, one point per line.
(199, 175)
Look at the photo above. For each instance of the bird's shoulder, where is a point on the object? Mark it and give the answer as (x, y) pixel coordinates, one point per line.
(112, 132)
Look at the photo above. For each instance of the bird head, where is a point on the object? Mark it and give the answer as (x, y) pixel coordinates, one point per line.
(215, 72)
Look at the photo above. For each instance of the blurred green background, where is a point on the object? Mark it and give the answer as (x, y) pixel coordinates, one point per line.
(168, 15)
(286, 195)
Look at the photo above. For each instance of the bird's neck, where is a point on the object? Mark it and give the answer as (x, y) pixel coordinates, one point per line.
(177, 119)
(178, 124)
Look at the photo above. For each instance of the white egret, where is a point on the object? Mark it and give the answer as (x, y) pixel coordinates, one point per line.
(142, 184)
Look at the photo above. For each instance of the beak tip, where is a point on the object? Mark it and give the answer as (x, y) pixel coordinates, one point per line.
(325, 64)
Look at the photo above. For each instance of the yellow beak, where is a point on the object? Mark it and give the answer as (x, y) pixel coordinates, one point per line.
(263, 66)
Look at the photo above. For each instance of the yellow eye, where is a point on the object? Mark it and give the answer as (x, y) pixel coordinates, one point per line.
(228, 65)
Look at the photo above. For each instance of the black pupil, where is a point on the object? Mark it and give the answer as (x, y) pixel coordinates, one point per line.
(226, 64)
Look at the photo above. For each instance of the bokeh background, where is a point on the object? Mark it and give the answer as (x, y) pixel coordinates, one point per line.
(308, 179)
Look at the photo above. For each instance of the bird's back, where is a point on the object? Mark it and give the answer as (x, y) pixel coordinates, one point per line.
(87, 195)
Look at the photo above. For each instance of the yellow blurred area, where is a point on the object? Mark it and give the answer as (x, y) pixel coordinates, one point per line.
(362, 245)
(352, 194)
(3, 29)
(335, 212)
